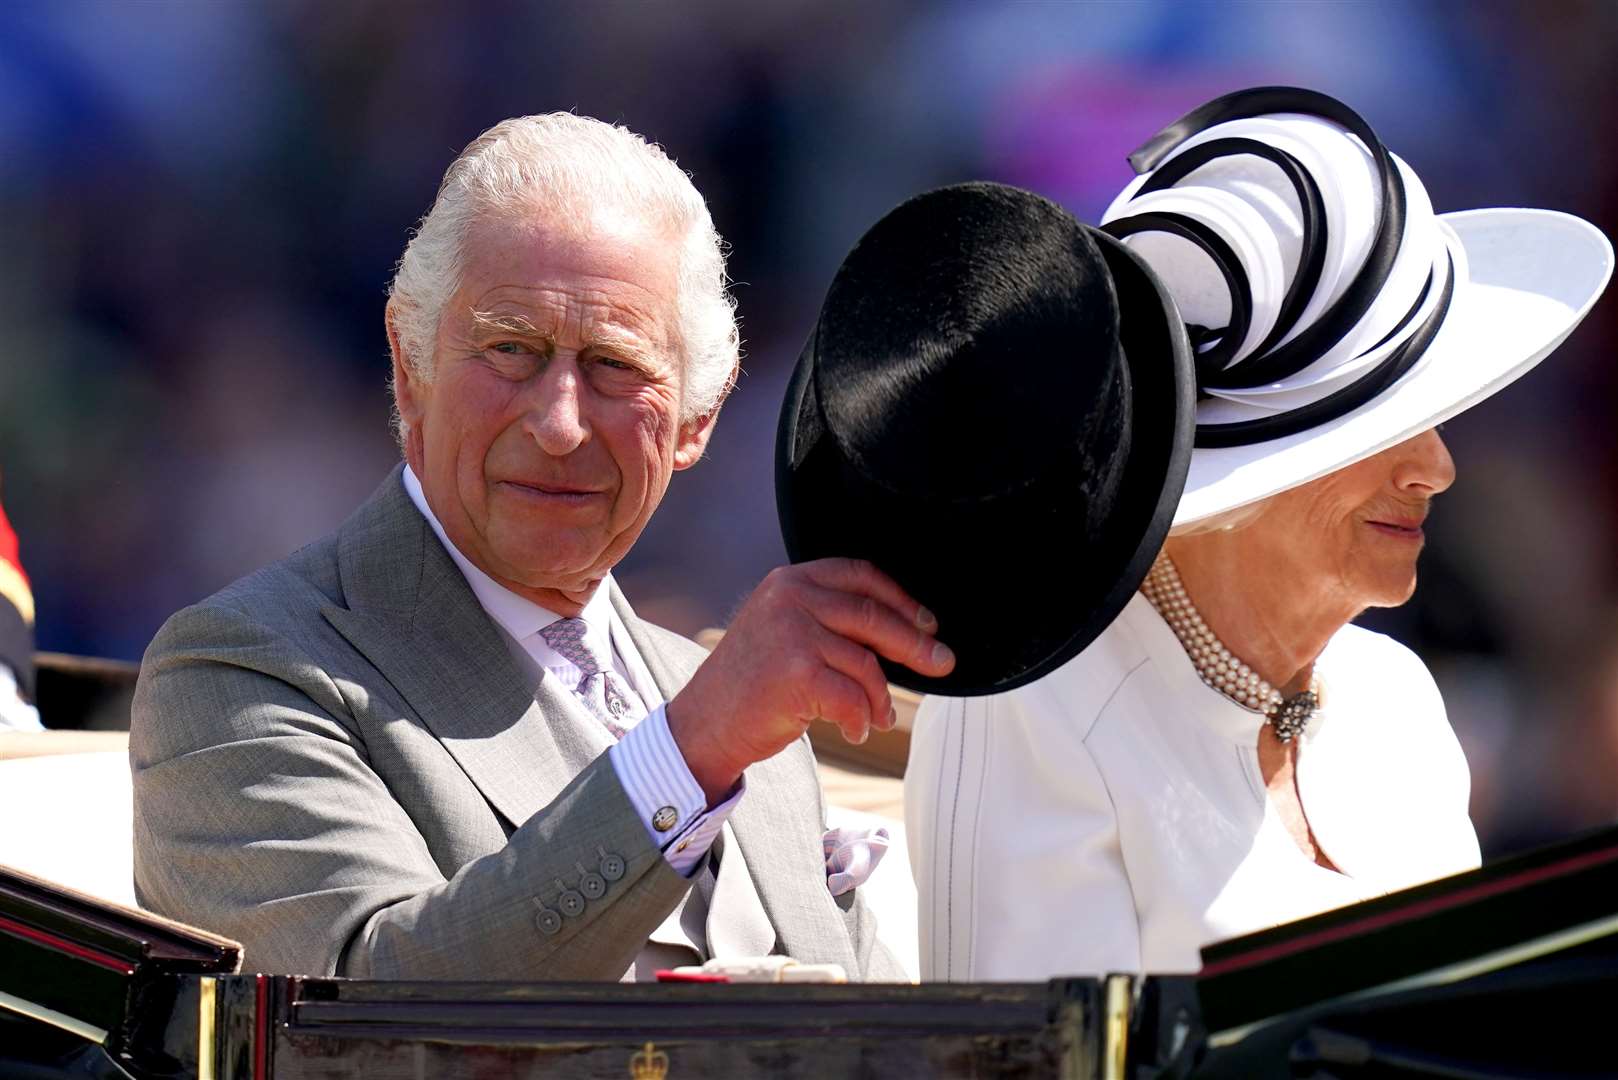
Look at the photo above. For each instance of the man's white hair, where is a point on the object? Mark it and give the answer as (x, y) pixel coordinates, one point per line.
(562, 166)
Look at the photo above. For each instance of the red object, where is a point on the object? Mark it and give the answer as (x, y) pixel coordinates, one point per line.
(1430, 906)
(8, 544)
(261, 1028)
(62, 945)
(665, 975)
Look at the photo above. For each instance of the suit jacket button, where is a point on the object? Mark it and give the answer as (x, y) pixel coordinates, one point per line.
(549, 923)
(571, 902)
(612, 867)
(665, 818)
(593, 886)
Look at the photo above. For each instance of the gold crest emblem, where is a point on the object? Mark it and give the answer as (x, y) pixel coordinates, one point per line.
(648, 1063)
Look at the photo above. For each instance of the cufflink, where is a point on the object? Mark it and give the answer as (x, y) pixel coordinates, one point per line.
(665, 818)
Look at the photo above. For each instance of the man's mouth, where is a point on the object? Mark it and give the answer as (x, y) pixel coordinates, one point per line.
(556, 490)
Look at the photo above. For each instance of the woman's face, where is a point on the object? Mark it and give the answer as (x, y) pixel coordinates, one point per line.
(1356, 532)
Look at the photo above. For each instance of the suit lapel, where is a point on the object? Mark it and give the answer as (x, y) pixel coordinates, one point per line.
(780, 844)
(668, 670)
(412, 615)
(741, 927)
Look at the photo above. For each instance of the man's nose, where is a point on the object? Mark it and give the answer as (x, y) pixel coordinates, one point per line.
(1425, 466)
(555, 418)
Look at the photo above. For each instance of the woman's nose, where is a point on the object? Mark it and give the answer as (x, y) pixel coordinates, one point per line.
(1425, 464)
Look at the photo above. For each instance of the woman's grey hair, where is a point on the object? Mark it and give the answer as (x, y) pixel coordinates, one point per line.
(563, 165)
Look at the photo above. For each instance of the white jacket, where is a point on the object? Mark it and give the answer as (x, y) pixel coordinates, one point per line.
(1111, 816)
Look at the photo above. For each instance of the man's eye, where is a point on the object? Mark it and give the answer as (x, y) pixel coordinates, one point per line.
(615, 363)
(509, 347)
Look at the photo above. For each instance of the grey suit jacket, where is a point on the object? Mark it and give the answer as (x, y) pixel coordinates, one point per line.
(337, 763)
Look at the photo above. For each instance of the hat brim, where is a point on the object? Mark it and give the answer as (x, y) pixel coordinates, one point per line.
(1533, 276)
(1054, 594)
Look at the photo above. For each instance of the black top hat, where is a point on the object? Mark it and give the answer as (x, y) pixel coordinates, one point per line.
(996, 408)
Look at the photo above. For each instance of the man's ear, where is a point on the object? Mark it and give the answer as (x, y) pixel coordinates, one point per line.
(407, 391)
(694, 433)
(694, 439)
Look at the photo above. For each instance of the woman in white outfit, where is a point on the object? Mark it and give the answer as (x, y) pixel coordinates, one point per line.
(1231, 753)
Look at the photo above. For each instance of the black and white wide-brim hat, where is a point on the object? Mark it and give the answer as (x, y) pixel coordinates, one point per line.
(995, 407)
(1332, 313)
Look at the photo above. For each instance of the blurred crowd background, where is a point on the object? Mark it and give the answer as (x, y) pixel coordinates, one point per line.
(201, 203)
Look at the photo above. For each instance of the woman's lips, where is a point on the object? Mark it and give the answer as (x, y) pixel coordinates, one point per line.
(1402, 530)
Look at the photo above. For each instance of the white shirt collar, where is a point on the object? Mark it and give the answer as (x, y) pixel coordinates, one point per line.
(516, 615)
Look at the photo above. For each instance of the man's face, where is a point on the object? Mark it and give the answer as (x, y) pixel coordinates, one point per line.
(551, 426)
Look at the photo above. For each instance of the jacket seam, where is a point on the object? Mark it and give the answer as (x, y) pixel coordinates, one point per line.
(1117, 827)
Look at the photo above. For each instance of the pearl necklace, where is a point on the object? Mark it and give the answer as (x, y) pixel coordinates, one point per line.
(1216, 665)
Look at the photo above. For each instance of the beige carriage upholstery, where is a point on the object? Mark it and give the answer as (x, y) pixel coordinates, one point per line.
(65, 805)
(15, 745)
(65, 810)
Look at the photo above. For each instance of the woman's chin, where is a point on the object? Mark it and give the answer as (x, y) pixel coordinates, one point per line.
(1391, 590)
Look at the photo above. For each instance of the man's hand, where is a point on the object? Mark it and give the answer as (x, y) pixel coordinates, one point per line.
(803, 647)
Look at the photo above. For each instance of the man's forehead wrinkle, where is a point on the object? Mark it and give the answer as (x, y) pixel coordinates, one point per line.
(551, 312)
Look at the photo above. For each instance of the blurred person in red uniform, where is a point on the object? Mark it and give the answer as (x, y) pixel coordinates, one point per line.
(17, 712)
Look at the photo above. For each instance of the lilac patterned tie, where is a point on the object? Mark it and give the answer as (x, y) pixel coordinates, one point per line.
(599, 688)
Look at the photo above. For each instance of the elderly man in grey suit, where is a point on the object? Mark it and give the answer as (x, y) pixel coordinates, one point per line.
(439, 743)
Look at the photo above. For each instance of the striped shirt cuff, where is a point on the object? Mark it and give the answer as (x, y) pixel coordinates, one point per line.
(659, 784)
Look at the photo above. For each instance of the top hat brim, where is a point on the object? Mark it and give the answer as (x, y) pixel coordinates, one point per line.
(1532, 277)
(1015, 597)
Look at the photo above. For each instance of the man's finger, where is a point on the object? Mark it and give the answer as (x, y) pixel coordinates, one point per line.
(859, 576)
(868, 622)
(840, 700)
(859, 665)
